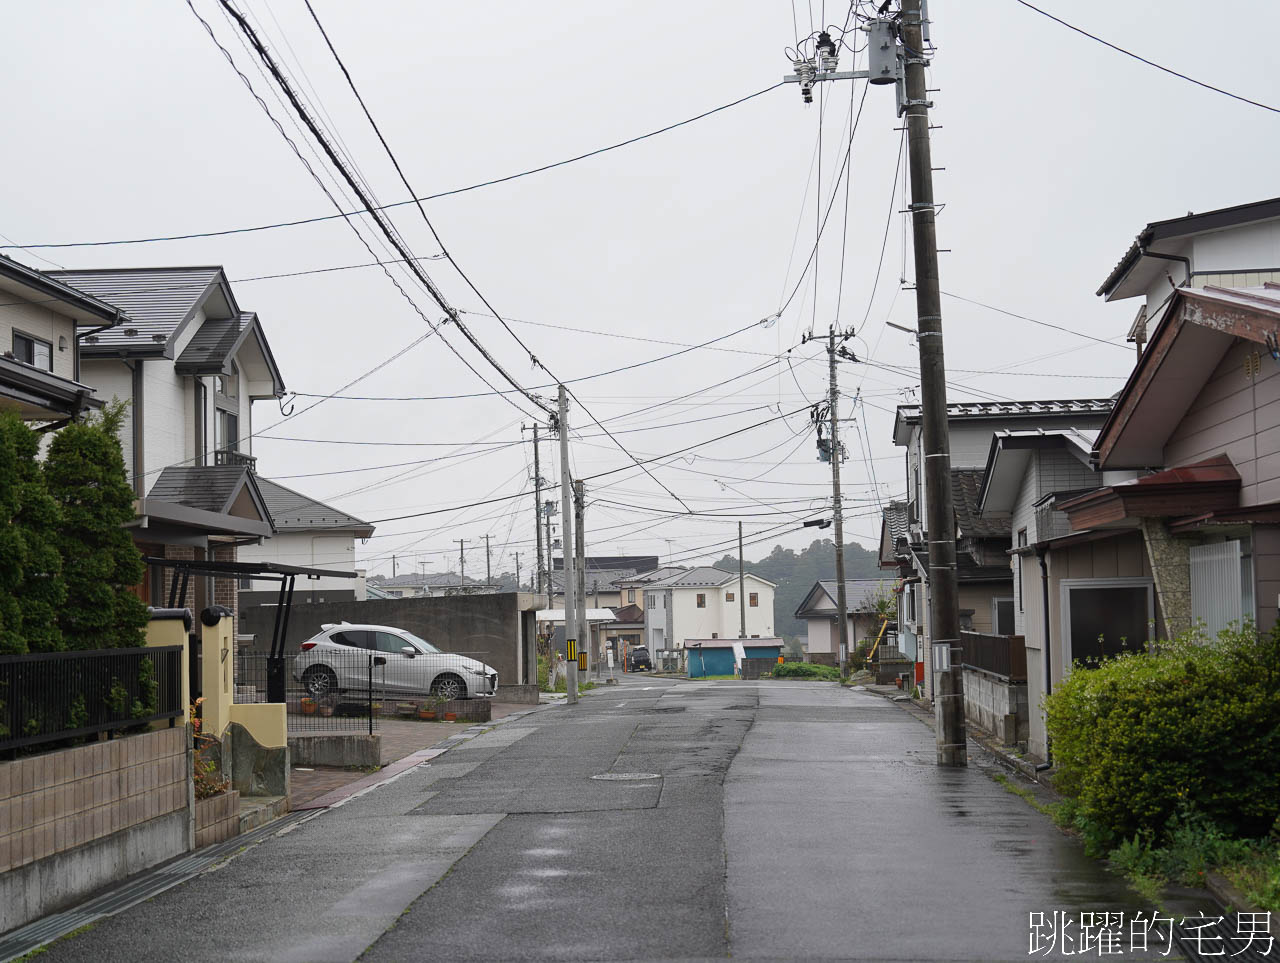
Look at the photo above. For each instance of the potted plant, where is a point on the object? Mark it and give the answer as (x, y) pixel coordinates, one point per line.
(327, 705)
(450, 717)
(308, 706)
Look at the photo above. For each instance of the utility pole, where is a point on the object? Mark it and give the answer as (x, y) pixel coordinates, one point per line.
(537, 510)
(566, 529)
(462, 562)
(836, 509)
(547, 569)
(944, 613)
(488, 570)
(393, 566)
(518, 585)
(580, 566)
(742, 589)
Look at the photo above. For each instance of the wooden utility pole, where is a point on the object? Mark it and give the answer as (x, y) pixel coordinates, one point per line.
(462, 561)
(537, 510)
(566, 540)
(580, 567)
(842, 608)
(742, 589)
(488, 568)
(944, 610)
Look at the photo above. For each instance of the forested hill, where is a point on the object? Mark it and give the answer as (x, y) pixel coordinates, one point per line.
(795, 574)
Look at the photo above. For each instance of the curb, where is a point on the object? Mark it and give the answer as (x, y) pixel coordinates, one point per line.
(1225, 892)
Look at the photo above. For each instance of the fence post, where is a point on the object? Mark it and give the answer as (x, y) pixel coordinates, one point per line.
(370, 693)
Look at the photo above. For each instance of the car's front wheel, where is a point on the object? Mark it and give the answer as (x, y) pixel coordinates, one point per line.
(320, 681)
(449, 687)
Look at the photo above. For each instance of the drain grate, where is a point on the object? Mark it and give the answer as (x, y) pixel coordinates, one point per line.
(626, 776)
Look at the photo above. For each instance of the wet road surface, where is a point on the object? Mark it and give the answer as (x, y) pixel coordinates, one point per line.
(776, 821)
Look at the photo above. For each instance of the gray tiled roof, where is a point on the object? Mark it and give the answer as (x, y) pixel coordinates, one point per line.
(157, 300)
(418, 580)
(859, 593)
(601, 578)
(294, 512)
(210, 488)
(896, 519)
(704, 576)
(210, 347)
(966, 487)
(1014, 409)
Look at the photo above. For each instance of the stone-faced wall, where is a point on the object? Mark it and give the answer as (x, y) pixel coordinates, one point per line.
(997, 705)
(75, 820)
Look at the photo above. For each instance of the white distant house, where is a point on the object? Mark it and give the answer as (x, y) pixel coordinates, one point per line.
(703, 603)
(311, 534)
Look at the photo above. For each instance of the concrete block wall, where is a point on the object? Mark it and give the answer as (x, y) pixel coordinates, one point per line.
(75, 820)
(217, 818)
(997, 705)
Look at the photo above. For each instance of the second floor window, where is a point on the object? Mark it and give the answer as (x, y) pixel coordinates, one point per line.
(702, 600)
(753, 600)
(631, 596)
(652, 600)
(728, 596)
(228, 431)
(33, 351)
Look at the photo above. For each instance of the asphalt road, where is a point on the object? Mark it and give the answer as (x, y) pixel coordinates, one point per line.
(777, 821)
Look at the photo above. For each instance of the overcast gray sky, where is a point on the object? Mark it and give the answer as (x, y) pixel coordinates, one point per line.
(126, 121)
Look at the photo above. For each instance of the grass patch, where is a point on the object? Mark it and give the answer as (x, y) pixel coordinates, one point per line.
(715, 678)
(1052, 810)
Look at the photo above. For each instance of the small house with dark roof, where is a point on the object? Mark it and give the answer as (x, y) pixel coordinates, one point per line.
(308, 533)
(865, 598)
(189, 361)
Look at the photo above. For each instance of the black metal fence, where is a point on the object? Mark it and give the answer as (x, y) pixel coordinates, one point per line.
(53, 696)
(352, 696)
(1003, 655)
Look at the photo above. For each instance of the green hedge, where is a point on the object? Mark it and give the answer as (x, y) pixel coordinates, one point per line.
(806, 670)
(1192, 727)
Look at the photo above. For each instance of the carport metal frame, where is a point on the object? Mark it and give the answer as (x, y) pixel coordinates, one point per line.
(286, 575)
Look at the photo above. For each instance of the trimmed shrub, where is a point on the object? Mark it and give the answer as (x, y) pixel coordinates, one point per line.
(100, 564)
(1191, 727)
(806, 670)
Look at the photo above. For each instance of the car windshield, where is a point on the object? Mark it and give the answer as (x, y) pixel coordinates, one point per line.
(423, 644)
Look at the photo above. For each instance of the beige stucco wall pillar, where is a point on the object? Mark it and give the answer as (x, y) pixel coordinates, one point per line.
(1170, 559)
(216, 670)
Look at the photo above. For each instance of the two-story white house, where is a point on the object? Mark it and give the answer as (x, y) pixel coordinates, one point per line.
(311, 534)
(703, 603)
(41, 323)
(190, 362)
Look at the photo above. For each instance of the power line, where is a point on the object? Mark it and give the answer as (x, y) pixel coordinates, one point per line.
(413, 200)
(371, 207)
(1043, 324)
(1149, 63)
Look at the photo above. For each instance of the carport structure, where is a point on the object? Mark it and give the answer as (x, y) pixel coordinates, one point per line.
(279, 572)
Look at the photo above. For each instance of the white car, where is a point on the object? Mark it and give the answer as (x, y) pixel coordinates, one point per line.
(345, 657)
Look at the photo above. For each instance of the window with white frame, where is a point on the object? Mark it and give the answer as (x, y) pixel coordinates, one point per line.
(34, 351)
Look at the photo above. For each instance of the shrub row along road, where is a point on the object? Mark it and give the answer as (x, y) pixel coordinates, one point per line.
(785, 820)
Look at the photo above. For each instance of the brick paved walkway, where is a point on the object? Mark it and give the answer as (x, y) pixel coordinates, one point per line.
(400, 738)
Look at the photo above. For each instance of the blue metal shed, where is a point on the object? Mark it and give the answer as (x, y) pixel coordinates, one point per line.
(715, 656)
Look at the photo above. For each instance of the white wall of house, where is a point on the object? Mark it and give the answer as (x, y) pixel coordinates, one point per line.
(38, 321)
(166, 414)
(111, 380)
(336, 552)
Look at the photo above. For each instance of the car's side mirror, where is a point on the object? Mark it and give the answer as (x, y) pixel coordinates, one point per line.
(379, 660)
(409, 650)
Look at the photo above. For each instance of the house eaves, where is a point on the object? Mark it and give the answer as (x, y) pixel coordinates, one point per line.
(76, 304)
(1181, 227)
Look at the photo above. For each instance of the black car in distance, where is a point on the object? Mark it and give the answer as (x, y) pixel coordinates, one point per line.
(638, 660)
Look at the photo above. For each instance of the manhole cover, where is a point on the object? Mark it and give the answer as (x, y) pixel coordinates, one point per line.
(626, 776)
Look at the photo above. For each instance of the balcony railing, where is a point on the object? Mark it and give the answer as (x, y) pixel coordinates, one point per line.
(225, 456)
(1002, 655)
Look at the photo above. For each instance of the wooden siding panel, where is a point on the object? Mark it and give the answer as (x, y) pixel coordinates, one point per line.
(1266, 568)
(1267, 387)
(1231, 414)
(1106, 561)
